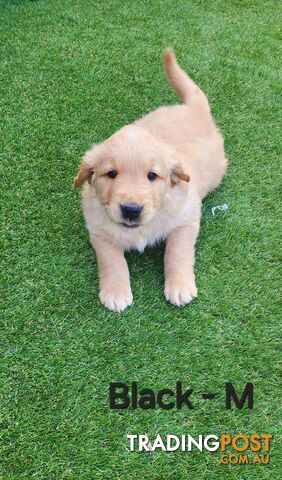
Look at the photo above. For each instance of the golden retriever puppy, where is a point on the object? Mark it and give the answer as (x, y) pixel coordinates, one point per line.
(145, 184)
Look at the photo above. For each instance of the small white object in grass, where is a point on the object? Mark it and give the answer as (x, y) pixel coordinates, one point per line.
(223, 208)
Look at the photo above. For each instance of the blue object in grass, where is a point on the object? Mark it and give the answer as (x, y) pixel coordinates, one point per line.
(223, 207)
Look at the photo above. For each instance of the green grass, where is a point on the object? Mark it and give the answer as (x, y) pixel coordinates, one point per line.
(73, 72)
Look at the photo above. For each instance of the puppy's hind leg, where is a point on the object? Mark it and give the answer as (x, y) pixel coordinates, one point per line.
(180, 287)
(115, 291)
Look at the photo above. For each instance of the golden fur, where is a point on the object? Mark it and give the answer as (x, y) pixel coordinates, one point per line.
(182, 145)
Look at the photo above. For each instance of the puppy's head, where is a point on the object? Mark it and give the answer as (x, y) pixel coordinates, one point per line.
(131, 172)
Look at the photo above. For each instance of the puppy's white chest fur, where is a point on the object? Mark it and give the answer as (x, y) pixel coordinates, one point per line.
(174, 212)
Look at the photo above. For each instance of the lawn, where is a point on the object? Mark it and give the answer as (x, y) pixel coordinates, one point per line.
(73, 72)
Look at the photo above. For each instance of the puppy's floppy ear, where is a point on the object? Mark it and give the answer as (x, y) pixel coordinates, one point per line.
(86, 168)
(177, 171)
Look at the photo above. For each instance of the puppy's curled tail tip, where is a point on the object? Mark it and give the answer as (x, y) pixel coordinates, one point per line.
(181, 82)
(168, 56)
(175, 75)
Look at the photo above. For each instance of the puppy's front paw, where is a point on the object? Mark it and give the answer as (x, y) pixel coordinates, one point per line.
(116, 298)
(180, 290)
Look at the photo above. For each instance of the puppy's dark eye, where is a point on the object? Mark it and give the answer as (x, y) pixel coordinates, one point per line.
(152, 176)
(112, 174)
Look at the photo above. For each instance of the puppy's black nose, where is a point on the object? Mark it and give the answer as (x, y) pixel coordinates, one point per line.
(131, 211)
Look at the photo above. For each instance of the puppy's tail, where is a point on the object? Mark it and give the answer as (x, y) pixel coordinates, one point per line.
(181, 82)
